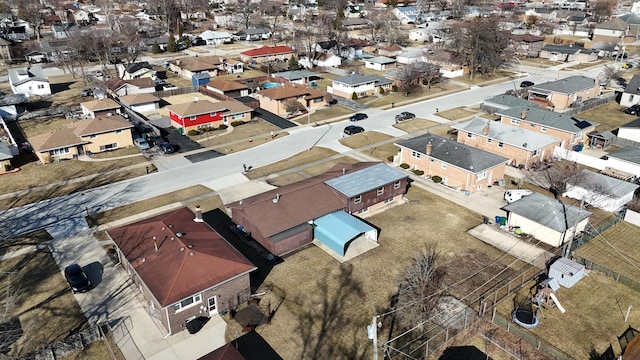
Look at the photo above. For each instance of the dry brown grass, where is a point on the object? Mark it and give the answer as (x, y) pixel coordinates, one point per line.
(44, 126)
(326, 165)
(415, 125)
(339, 300)
(46, 308)
(382, 151)
(363, 139)
(183, 195)
(97, 350)
(539, 62)
(419, 94)
(131, 150)
(480, 80)
(286, 179)
(610, 116)
(301, 158)
(238, 139)
(456, 113)
(33, 238)
(587, 65)
(594, 316)
(247, 74)
(617, 249)
(66, 90)
(325, 114)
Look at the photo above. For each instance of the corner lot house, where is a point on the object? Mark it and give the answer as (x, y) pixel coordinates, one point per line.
(276, 99)
(564, 93)
(361, 85)
(544, 218)
(182, 267)
(600, 190)
(201, 114)
(83, 136)
(287, 218)
(631, 94)
(460, 166)
(29, 81)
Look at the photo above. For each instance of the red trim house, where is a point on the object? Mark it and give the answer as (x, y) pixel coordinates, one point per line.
(200, 114)
(280, 53)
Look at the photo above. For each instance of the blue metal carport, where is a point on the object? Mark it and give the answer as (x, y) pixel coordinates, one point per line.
(338, 229)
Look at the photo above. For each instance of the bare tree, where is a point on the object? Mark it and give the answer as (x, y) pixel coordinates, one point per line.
(129, 40)
(244, 11)
(602, 10)
(554, 177)
(609, 73)
(10, 328)
(32, 12)
(420, 286)
(292, 106)
(381, 24)
(407, 80)
(168, 11)
(271, 10)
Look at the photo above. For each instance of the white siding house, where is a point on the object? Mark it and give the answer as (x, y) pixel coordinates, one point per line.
(601, 191)
(29, 81)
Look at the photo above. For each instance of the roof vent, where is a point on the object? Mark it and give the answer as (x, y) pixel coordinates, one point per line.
(190, 246)
(144, 259)
(276, 199)
(170, 226)
(163, 228)
(344, 171)
(182, 248)
(179, 234)
(172, 238)
(191, 253)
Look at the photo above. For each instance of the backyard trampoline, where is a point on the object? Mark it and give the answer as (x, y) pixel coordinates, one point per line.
(525, 318)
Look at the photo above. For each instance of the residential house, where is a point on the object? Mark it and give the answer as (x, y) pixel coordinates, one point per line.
(140, 102)
(351, 24)
(601, 139)
(162, 42)
(419, 72)
(135, 70)
(601, 191)
(458, 165)
(252, 34)
(610, 31)
(99, 108)
(504, 102)
(408, 14)
(564, 93)
(327, 47)
(277, 99)
(214, 65)
(118, 87)
(216, 37)
(234, 67)
(526, 44)
(228, 88)
(296, 76)
(392, 50)
(627, 160)
(279, 53)
(411, 56)
(182, 267)
(6, 51)
(380, 63)
(631, 94)
(282, 221)
(547, 219)
(449, 66)
(630, 131)
(570, 130)
(201, 114)
(320, 60)
(29, 81)
(81, 137)
(360, 85)
(522, 147)
(568, 52)
(420, 34)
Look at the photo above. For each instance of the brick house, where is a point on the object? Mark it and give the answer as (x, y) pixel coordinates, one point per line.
(361, 85)
(289, 217)
(564, 93)
(280, 53)
(526, 44)
(569, 129)
(277, 98)
(99, 108)
(199, 114)
(183, 267)
(83, 136)
(459, 165)
(522, 147)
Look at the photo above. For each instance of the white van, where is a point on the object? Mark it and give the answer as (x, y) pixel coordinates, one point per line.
(515, 195)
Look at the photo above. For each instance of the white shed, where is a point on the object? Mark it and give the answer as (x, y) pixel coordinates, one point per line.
(566, 272)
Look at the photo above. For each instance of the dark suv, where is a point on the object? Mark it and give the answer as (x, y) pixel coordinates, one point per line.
(358, 117)
(405, 115)
(633, 110)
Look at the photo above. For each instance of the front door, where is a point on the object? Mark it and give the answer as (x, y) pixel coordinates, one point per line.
(213, 306)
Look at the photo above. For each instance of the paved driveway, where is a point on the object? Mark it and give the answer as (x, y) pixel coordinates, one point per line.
(274, 119)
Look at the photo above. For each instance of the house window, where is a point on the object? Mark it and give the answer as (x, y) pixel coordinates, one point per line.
(415, 154)
(443, 166)
(213, 114)
(482, 175)
(543, 129)
(515, 122)
(93, 136)
(118, 131)
(470, 135)
(357, 199)
(192, 117)
(389, 200)
(187, 303)
(536, 152)
(40, 86)
(238, 117)
(108, 147)
(363, 210)
(500, 144)
(380, 191)
(396, 185)
(630, 98)
(317, 100)
(60, 151)
(489, 141)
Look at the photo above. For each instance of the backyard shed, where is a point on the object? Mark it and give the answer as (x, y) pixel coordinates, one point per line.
(198, 79)
(338, 229)
(566, 272)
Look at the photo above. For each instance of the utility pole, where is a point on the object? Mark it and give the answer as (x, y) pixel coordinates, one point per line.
(372, 332)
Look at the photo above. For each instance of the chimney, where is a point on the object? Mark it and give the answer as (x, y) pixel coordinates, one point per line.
(344, 171)
(276, 199)
(485, 129)
(155, 243)
(429, 148)
(198, 217)
(177, 61)
(523, 114)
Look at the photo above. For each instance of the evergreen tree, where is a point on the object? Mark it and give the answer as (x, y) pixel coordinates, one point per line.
(171, 44)
(155, 48)
(293, 64)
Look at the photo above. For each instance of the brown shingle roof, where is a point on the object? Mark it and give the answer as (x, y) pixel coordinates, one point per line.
(99, 105)
(227, 352)
(200, 63)
(184, 265)
(292, 208)
(200, 107)
(55, 140)
(138, 99)
(100, 125)
(291, 90)
(143, 82)
(226, 85)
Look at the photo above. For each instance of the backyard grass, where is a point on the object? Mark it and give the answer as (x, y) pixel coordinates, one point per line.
(40, 126)
(286, 179)
(247, 74)
(97, 350)
(616, 249)
(183, 195)
(337, 301)
(66, 89)
(299, 159)
(363, 139)
(326, 165)
(609, 116)
(45, 307)
(382, 152)
(456, 113)
(237, 139)
(594, 317)
(178, 80)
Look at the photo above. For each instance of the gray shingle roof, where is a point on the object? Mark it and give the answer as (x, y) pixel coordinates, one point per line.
(454, 153)
(381, 60)
(633, 87)
(508, 101)
(602, 184)
(562, 49)
(507, 134)
(32, 73)
(632, 124)
(547, 211)
(569, 85)
(367, 179)
(295, 75)
(357, 79)
(548, 118)
(627, 153)
(5, 152)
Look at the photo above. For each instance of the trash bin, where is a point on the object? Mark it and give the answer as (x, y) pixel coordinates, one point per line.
(517, 230)
(498, 219)
(503, 220)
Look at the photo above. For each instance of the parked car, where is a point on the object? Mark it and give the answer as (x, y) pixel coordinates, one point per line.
(166, 147)
(86, 92)
(77, 279)
(155, 140)
(526, 83)
(352, 129)
(633, 110)
(358, 117)
(405, 115)
(141, 143)
(627, 66)
(144, 128)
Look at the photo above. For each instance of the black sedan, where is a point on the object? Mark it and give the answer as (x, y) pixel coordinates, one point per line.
(352, 129)
(76, 278)
(633, 110)
(358, 117)
(526, 83)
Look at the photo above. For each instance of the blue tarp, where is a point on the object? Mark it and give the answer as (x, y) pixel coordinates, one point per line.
(335, 230)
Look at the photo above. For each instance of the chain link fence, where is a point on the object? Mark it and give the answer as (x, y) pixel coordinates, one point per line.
(67, 345)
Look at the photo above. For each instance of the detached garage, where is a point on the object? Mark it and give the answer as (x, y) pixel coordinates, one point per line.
(339, 229)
